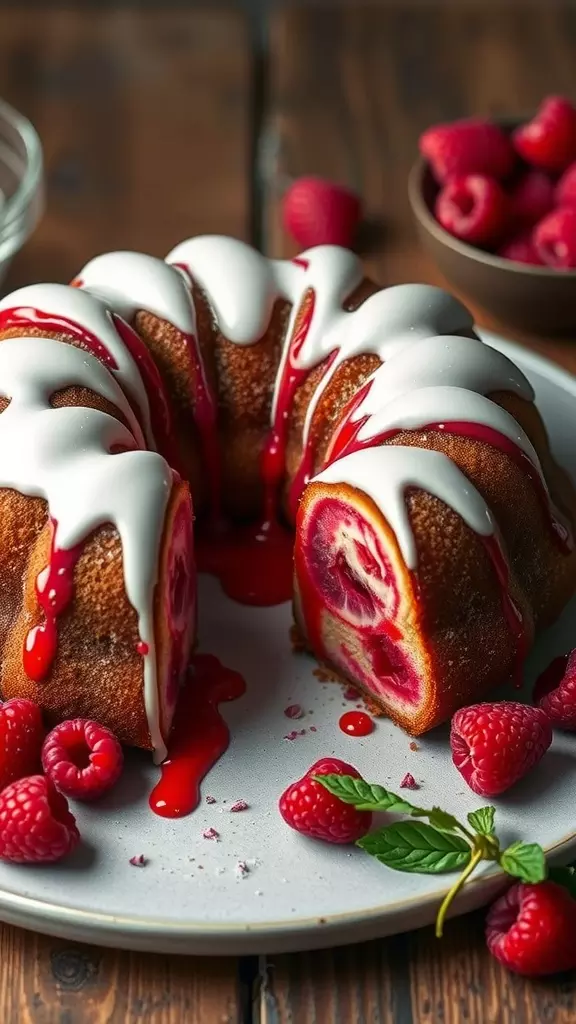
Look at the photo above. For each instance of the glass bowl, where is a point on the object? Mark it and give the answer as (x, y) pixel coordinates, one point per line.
(21, 183)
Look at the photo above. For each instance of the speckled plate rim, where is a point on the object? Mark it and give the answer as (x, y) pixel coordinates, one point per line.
(201, 938)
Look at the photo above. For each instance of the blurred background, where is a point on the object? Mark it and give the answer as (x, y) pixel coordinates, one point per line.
(162, 119)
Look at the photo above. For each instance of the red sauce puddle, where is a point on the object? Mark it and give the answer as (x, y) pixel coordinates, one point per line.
(356, 723)
(199, 738)
(253, 563)
(54, 591)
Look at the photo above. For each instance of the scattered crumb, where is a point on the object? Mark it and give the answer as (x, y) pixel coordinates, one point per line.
(326, 675)
(200, 867)
(409, 782)
(241, 869)
(139, 861)
(350, 693)
(313, 728)
(414, 745)
(291, 735)
(240, 805)
(372, 707)
(294, 711)
(210, 833)
(210, 799)
(258, 892)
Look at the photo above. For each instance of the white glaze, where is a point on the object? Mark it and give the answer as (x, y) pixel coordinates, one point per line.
(92, 314)
(133, 281)
(62, 455)
(385, 474)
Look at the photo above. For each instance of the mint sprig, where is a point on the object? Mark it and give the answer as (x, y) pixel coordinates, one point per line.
(439, 845)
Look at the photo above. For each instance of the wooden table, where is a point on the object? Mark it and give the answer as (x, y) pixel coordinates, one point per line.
(167, 121)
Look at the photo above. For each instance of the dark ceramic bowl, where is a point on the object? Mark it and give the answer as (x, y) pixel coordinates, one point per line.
(517, 295)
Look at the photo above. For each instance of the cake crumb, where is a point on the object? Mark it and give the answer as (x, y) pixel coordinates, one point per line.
(313, 728)
(242, 869)
(414, 745)
(210, 833)
(350, 693)
(210, 799)
(294, 711)
(240, 805)
(138, 861)
(409, 782)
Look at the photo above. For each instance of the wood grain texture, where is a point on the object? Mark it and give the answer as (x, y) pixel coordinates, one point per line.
(352, 88)
(410, 979)
(46, 981)
(144, 122)
(144, 118)
(350, 91)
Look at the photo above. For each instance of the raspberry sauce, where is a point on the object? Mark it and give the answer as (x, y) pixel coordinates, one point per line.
(54, 591)
(199, 738)
(253, 563)
(356, 723)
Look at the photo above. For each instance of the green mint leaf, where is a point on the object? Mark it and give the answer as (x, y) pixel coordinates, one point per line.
(442, 820)
(416, 847)
(482, 820)
(525, 861)
(565, 877)
(363, 795)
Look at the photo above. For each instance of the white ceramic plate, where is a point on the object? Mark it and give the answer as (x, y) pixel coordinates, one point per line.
(298, 893)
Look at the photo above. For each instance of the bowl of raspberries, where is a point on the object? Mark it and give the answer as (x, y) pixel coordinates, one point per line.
(495, 204)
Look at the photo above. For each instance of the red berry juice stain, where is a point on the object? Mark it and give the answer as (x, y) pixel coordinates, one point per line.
(54, 591)
(199, 738)
(253, 563)
(356, 723)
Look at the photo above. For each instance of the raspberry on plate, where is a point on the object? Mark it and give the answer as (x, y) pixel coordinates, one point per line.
(521, 249)
(319, 212)
(548, 141)
(555, 238)
(531, 929)
(470, 146)
(311, 810)
(21, 736)
(566, 187)
(531, 198)
(83, 758)
(35, 823)
(495, 745)
(473, 208)
(555, 692)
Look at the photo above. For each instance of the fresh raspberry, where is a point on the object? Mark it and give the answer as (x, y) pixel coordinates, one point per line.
(531, 929)
(495, 745)
(549, 139)
(555, 692)
(471, 146)
(566, 187)
(310, 809)
(531, 198)
(319, 212)
(21, 736)
(83, 759)
(472, 208)
(521, 249)
(555, 238)
(35, 823)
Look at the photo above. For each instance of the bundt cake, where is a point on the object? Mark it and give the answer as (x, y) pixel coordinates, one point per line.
(433, 528)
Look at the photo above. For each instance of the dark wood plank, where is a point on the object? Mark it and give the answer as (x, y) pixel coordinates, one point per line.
(350, 91)
(144, 121)
(352, 88)
(46, 981)
(144, 117)
(410, 979)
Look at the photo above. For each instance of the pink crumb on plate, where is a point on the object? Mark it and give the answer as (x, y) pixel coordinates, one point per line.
(138, 861)
(294, 711)
(409, 782)
(210, 833)
(240, 805)
(210, 799)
